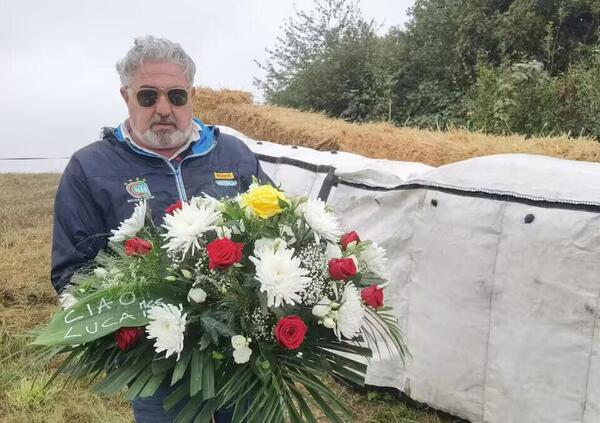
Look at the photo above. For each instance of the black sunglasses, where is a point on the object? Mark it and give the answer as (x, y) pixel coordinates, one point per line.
(147, 97)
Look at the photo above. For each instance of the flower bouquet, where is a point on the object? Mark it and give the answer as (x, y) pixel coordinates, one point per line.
(245, 303)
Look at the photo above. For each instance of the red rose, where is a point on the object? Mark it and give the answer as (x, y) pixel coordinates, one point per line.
(348, 238)
(223, 253)
(137, 247)
(342, 268)
(372, 296)
(128, 337)
(175, 206)
(290, 331)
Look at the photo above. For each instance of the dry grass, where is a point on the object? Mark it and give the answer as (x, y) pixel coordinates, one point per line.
(376, 140)
(27, 300)
(26, 296)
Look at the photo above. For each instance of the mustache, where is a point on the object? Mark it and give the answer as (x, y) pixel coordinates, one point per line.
(158, 120)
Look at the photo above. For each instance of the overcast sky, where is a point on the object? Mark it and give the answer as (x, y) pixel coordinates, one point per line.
(57, 58)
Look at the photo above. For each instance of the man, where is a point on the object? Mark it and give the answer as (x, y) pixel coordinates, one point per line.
(160, 154)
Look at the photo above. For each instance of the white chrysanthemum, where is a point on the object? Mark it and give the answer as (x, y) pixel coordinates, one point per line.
(186, 225)
(351, 313)
(167, 325)
(131, 226)
(278, 272)
(321, 220)
(266, 246)
(373, 256)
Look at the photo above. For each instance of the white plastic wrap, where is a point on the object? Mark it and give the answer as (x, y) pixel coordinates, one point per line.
(496, 269)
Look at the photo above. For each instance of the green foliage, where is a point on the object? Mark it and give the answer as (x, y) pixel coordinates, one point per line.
(524, 98)
(518, 98)
(505, 66)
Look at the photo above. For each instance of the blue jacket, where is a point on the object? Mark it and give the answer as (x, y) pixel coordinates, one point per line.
(103, 181)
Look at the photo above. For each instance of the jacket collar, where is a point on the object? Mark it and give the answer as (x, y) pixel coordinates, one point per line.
(203, 139)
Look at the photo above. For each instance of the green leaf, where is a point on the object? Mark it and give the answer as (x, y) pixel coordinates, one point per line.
(139, 383)
(306, 411)
(176, 396)
(153, 385)
(208, 409)
(163, 364)
(214, 327)
(326, 408)
(348, 374)
(238, 411)
(263, 300)
(292, 412)
(208, 377)
(119, 378)
(189, 410)
(355, 365)
(196, 375)
(101, 314)
(282, 204)
(204, 341)
(181, 366)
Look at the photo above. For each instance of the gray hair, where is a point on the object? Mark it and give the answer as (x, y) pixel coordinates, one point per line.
(153, 49)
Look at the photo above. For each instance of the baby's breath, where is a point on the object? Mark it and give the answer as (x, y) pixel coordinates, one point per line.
(219, 278)
(262, 325)
(315, 261)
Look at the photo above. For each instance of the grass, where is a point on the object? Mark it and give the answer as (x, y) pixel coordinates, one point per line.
(27, 300)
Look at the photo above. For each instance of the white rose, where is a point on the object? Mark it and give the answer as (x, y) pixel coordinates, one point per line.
(322, 308)
(242, 355)
(197, 295)
(238, 341)
(329, 323)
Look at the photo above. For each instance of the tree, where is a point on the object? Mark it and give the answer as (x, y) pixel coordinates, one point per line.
(307, 37)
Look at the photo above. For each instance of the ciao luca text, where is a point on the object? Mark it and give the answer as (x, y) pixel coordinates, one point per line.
(96, 314)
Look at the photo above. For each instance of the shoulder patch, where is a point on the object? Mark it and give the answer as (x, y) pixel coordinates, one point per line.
(224, 175)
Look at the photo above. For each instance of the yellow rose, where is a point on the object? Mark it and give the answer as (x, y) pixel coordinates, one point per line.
(263, 200)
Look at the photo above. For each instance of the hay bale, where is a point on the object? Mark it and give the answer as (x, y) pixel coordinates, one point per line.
(207, 100)
(377, 140)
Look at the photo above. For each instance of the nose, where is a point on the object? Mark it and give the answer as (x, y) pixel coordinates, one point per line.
(163, 107)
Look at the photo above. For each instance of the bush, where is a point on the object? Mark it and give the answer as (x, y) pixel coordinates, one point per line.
(579, 95)
(524, 98)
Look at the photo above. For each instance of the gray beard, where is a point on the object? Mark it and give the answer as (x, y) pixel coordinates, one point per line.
(164, 139)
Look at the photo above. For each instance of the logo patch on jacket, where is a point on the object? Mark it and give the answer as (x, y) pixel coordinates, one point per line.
(138, 189)
(225, 179)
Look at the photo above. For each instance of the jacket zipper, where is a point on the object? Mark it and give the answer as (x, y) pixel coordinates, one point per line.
(179, 176)
(176, 170)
